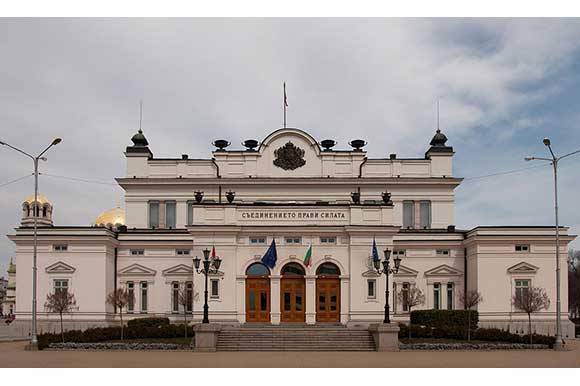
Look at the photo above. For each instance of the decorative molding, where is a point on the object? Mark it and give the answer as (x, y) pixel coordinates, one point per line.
(406, 271)
(523, 267)
(178, 270)
(137, 270)
(289, 157)
(443, 270)
(60, 267)
(370, 273)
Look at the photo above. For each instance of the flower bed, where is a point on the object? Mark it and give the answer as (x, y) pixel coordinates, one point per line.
(472, 346)
(118, 346)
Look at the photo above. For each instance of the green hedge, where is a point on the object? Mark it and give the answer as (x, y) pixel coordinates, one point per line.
(482, 334)
(444, 318)
(102, 334)
(148, 322)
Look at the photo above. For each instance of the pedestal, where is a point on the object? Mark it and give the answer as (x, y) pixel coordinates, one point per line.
(206, 336)
(386, 336)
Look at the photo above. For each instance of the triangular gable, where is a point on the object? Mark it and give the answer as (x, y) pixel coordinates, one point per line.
(178, 270)
(136, 270)
(523, 267)
(370, 273)
(406, 271)
(443, 270)
(60, 267)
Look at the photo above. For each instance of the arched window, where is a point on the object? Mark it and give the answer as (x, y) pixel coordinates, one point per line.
(328, 269)
(293, 269)
(257, 269)
(44, 211)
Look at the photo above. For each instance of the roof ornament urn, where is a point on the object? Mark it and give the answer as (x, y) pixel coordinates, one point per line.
(221, 144)
(387, 198)
(250, 144)
(355, 197)
(357, 144)
(230, 196)
(328, 144)
(198, 195)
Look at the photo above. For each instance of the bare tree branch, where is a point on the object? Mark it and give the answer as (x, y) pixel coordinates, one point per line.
(60, 302)
(533, 299)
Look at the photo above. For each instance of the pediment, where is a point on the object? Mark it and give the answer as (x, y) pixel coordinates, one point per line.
(60, 267)
(406, 271)
(523, 267)
(178, 270)
(443, 270)
(136, 270)
(370, 273)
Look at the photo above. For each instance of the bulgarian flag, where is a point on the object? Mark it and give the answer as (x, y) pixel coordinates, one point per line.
(308, 256)
(213, 255)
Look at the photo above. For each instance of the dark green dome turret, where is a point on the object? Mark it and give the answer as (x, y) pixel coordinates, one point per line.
(439, 139)
(139, 139)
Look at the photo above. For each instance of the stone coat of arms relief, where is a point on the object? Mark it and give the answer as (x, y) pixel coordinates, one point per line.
(289, 157)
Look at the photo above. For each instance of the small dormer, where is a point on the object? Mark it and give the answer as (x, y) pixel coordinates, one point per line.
(41, 210)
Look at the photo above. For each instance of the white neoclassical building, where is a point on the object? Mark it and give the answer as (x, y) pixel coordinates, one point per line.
(302, 193)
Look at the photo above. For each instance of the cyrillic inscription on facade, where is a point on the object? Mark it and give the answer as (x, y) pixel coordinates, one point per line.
(303, 215)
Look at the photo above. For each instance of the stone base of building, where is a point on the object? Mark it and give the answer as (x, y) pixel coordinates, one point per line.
(206, 337)
(386, 336)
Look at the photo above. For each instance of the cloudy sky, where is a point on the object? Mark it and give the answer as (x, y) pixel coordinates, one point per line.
(503, 85)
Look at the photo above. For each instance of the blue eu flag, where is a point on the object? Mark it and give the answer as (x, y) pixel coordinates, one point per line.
(269, 259)
(375, 250)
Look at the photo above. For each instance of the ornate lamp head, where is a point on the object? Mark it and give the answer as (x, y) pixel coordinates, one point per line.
(196, 262)
(206, 254)
(217, 262)
(377, 264)
(397, 261)
(387, 253)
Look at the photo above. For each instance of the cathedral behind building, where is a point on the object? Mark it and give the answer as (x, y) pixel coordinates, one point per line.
(323, 207)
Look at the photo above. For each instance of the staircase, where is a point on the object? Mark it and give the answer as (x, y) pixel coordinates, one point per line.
(294, 338)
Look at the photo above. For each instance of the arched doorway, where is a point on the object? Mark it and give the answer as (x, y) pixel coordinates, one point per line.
(328, 293)
(292, 288)
(257, 293)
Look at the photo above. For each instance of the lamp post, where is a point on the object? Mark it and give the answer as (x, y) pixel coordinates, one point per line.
(36, 210)
(387, 270)
(209, 267)
(558, 345)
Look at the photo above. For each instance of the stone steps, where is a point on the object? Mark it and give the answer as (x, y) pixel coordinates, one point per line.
(294, 338)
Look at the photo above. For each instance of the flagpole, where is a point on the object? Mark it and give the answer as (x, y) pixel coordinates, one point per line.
(284, 103)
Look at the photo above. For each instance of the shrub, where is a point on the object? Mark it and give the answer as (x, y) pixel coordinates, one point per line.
(444, 318)
(148, 322)
(102, 334)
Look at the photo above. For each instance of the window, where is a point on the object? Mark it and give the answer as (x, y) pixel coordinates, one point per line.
(175, 297)
(170, 214)
(137, 252)
(215, 288)
(522, 287)
(405, 296)
(328, 240)
(189, 213)
(522, 248)
(60, 285)
(450, 296)
(437, 296)
(442, 252)
(425, 214)
(189, 295)
(60, 247)
(398, 252)
(131, 302)
(371, 289)
(153, 215)
(258, 240)
(408, 214)
(292, 240)
(144, 297)
(182, 252)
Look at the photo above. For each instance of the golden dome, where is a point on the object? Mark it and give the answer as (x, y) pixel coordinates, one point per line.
(115, 216)
(40, 198)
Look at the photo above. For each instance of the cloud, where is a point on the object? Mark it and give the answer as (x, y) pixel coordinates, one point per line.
(378, 79)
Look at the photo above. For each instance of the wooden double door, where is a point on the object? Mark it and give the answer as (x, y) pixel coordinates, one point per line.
(328, 299)
(292, 300)
(258, 300)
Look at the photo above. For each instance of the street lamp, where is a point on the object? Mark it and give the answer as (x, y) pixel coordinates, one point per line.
(209, 267)
(558, 345)
(36, 211)
(387, 271)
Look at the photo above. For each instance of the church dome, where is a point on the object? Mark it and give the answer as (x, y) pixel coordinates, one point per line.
(40, 198)
(115, 216)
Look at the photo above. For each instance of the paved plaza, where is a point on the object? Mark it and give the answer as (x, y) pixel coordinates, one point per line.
(12, 354)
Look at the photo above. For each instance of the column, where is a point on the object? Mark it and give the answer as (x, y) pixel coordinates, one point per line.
(310, 299)
(344, 299)
(275, 299)
(241, 298)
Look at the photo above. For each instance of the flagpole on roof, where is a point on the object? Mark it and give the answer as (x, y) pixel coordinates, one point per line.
(285, 104)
